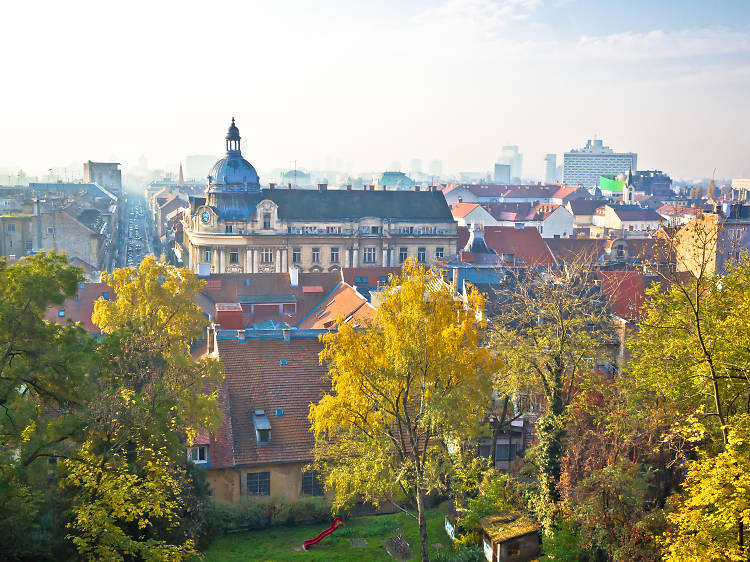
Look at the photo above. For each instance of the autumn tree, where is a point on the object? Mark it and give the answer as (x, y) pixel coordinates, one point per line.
(128, 475)
(552, 332)
(414, 378)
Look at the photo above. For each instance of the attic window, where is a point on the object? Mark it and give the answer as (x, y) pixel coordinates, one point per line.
(262, 427)
(360, 279)
(81, 285)
(61, 313)
(246, 282)
(282, 363)
(105, 295)
(384, 279)
(279, 412)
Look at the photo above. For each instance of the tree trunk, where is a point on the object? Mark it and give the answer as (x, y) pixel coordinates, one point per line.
(422, 525)
(741, 536)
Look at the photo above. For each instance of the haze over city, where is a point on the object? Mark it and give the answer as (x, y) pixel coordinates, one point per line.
(369, 84)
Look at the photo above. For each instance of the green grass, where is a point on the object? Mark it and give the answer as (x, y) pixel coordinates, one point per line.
(279, 543)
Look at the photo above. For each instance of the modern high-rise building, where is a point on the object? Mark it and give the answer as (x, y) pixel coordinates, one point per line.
(415, 167)
(514, 159)
(502, 174)
(436, 168)
(584, 166)
(550, 168)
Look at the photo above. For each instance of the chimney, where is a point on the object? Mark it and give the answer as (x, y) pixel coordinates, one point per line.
(294, 277)
(416, 188)
(372, 187)
(271, 186)
(349, 187)
(240, 336)
(286, 334)
(290, 186)
(455, 276)
(322, 187)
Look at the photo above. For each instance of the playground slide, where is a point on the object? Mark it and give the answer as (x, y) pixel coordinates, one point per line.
(337, 522)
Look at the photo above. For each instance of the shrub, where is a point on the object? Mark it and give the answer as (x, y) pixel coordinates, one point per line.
(251, 514)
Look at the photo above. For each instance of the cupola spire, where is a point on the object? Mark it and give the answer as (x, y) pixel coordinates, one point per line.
(233, 139)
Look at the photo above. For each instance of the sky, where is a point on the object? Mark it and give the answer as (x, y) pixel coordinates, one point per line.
(368, 83)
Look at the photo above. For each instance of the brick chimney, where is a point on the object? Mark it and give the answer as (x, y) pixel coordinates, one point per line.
(271, 186)
(349, 187)
(416, 188)
(322, 187)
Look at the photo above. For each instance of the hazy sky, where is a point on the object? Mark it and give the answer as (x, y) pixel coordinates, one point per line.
(373, 82)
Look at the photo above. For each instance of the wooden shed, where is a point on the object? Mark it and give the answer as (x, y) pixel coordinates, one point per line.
(510, 537)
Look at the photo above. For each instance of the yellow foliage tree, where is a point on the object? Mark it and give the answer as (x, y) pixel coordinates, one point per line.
(711, 517)
(415, 378)
(129, 476)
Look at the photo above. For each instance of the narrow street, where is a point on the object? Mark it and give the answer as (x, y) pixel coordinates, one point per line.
(136, 241)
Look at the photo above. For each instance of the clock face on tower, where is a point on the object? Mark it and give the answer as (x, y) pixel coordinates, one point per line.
(205, 217)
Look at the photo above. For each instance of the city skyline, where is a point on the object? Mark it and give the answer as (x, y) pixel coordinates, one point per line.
(665, 82)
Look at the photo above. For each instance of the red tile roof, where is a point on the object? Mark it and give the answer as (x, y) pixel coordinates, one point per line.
(230, 287)
(255, 379)
(81, 307)
(460, 210)
(625, 293)
(345, 303)
(525, 244)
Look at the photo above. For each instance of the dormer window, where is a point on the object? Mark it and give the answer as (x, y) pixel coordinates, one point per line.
(266, 221)
(198, 454)
(262, 427)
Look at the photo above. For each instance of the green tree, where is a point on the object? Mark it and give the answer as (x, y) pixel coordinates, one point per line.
(128, 474)
(553, 330)
(44, 386)
(416, 376)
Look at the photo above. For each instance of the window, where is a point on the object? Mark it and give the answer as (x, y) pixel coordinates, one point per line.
(259, 483)
(369, 255)
(407, 230)
(27, 245)
(11, 227)
(430, 230)
(374, 230)
(266, 221)
(198, 454)
(266, 255)
(316, 255)
(234, 256)
(228, 229)
(334, 255)
(421, 255)
(264, 436)
(439, 253)
(207, 255)
(10, 243)
(51, 230)
(403, 253)
(296, 255)
(505, 452)
(61, 313)
(333, 230)
(311, 485)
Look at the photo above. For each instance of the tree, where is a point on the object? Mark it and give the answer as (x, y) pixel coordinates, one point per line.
(710, 521)
(553, 331)
(44, 386)
(128, 475)
(416, 376)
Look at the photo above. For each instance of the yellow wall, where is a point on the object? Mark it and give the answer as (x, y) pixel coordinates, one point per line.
(228, 484)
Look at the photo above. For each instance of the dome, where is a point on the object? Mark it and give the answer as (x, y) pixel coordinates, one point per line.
(233, 172)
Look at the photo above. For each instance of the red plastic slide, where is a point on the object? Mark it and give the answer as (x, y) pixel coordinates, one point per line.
(337, 522)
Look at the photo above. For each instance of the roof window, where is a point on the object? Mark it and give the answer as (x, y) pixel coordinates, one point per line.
(262, 427)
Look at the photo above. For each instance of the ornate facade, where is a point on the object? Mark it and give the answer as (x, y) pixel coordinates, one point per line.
(239, 227)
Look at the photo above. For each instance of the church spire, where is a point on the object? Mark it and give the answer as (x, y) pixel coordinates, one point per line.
(181, 178)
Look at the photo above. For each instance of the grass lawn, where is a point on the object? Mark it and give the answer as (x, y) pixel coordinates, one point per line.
(279, 543)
